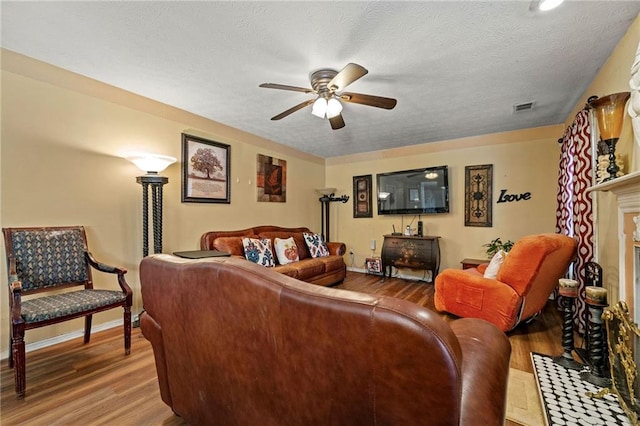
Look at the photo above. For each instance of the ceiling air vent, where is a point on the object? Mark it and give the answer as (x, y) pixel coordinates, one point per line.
(525, 106)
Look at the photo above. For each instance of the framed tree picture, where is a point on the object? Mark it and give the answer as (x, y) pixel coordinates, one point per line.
(362, 202)
(205, 171)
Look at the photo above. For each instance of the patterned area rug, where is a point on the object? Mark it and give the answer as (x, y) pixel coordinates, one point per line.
(563, 397)
(523, 401)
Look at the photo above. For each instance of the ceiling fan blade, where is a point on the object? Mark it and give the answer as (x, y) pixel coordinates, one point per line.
(285, 87)
(337, 122)
(350, 73)
(370, 100)
(292, 109)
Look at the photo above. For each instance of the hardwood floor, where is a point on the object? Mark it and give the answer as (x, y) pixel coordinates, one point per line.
(96, 384)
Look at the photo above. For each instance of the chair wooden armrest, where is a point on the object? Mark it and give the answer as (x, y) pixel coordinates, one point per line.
(14, 281)
(15, 286)
(102, 267)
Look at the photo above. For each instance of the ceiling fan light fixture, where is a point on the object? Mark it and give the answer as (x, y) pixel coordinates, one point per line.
(328, 85)
(431, 175)
(545, 5)
(334, 108)
(320, 107)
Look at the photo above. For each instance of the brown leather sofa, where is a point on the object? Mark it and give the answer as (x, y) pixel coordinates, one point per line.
(329, 270)
(238, 344)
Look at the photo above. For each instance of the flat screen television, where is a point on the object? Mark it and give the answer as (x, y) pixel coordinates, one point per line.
(418, 191)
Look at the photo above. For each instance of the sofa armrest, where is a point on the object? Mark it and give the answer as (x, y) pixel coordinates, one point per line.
(482, 267)
(337, 248)
(485, 371)
(468, 294)
(152, 331)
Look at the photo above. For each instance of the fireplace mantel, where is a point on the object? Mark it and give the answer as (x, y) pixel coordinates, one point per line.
(627, 190)
(626, 186)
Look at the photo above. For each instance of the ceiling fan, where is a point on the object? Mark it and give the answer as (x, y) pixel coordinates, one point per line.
(329, 87)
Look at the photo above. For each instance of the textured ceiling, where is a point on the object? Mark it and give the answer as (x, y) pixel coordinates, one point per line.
(457, 68)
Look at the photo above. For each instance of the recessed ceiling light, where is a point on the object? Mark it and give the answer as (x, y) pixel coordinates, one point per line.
(544, 5)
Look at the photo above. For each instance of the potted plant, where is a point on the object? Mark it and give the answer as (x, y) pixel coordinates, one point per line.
(496, 245)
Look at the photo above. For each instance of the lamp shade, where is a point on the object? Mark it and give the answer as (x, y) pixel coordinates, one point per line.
(151, 163)
(319, 107)
(545, 5)
(610, 114)
(326, 191)
(334, 108)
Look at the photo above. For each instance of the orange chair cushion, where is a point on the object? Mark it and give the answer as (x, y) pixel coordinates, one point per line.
(466, 293)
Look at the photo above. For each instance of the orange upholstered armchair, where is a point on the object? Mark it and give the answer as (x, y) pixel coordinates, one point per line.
(527, 277)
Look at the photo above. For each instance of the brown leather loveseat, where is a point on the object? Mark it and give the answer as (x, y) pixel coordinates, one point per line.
(328, 270)
(239, 344)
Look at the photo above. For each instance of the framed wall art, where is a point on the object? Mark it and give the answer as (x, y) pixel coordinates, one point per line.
(478, 195)
(271, 179)
(205, 171)
(362, 202)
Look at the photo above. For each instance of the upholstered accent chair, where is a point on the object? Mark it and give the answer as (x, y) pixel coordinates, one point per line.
(519, 291)
(46, 260)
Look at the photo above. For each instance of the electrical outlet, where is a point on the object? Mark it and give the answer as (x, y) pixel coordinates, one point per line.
(351, 252)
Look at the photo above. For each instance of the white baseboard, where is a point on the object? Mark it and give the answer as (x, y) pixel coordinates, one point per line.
(69, 336)
(399, 274)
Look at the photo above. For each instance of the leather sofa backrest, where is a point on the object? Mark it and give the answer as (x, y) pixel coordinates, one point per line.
(303, 250)
(242, 344)
(208, 238)
(231, 245)
(225, 241)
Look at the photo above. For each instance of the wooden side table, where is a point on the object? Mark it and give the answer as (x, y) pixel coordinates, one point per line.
(473, 263)
(411, 252)
(200, 254)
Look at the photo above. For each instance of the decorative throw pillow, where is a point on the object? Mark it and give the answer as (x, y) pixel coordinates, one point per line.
(317, 247)
(495, 264)
(286, 250)
(258, 251)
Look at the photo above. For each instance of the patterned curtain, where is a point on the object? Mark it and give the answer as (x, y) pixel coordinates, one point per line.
(574, 211)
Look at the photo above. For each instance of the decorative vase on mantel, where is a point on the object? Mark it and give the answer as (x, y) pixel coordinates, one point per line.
(609, 111)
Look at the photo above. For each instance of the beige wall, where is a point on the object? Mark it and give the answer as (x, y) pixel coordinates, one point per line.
(613, 78)
(63, 138)
(523, 161)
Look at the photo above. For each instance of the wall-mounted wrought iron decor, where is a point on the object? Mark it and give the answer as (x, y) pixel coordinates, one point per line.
(362, 203)
(478, 197)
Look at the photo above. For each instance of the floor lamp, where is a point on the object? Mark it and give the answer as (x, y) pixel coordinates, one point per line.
(327, 198)
(152, 164)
